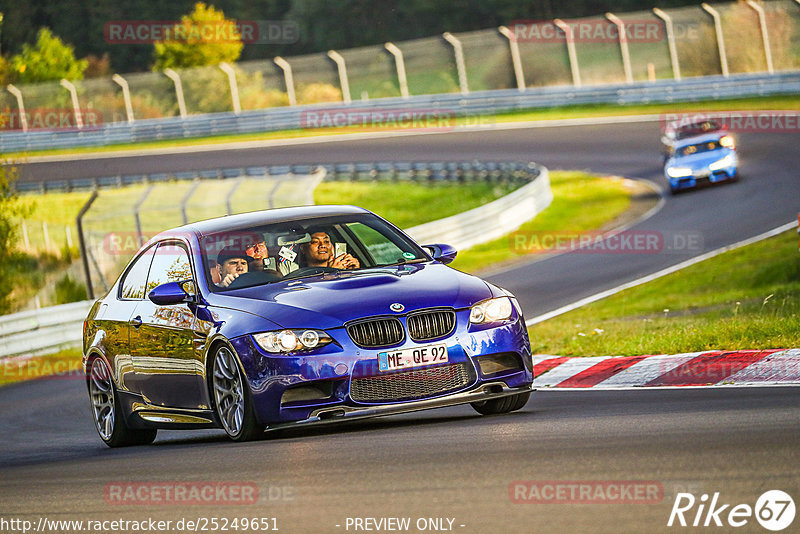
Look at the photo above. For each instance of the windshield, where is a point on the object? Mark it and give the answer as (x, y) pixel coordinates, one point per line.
(688, 150)
(303, 248)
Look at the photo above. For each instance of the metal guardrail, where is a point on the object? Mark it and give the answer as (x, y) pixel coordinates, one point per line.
(47, 329)
(472, 104)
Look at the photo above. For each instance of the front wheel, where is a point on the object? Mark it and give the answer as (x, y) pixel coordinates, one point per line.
(232, 398)
(108, 420)
(502, 405)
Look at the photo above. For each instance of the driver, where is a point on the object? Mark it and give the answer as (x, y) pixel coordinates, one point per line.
(319, 253)
(231, 262)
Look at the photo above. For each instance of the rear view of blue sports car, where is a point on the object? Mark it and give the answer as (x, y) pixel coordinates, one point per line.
(291, 317)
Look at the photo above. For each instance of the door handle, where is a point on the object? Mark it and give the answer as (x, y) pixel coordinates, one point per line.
(136, 322)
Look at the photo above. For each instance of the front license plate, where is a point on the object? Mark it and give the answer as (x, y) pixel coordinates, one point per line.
(413, 357)
(702, 174)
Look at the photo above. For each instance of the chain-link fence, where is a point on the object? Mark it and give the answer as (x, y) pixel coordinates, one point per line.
(593, 55)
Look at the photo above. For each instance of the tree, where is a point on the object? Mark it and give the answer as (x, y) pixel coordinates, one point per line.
(204, 37)
(10, 211)
(49, 59)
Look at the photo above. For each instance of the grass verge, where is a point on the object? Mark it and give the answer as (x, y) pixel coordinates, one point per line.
(743, 299)
(581, 202)
(62, 365)
(564, 112)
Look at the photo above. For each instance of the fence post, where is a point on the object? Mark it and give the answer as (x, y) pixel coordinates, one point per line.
(229, 196)
(185, 201)
(126, 95)
(288, 78)
(515, 59)
(23, 120)
(673, 50)
(762, 20)
(73, 93)
(343, 82)
(82, 244)
(458, 50)
(573, 56)
(400, 64)
(623, 45)
(176, 79)
(137, 219)
(723, 58)
(227, 69)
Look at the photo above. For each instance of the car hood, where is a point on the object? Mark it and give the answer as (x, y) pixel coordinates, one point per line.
(329, 301)
(699, 161)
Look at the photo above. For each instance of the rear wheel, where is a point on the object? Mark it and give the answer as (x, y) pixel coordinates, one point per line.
(502, 405)
(232, 397)
(108, 420)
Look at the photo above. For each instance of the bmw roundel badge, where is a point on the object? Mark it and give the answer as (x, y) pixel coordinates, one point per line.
(397, 307)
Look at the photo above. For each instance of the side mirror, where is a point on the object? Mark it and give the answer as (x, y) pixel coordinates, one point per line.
(443, 253)
(169, 294)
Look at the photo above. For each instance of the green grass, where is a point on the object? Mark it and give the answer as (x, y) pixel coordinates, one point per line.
(408, 204)
(744, 299)
(564, 112)
(62, 365)
(581, 202)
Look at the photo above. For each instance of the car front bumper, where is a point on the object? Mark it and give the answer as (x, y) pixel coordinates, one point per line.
(483, 363)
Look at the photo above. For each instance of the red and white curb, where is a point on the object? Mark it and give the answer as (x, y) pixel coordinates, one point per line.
(715, 368)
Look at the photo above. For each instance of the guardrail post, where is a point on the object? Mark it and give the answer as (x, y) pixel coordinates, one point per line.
(623, 45)
(82, 244)
(673, 50)
(227, 69)
(513, 45)
(762, 20)
(23, 120)
(126, 95)
(137, 219)
(458, 51)
(723, 58)
(400, 64)
(73, 93)
(176, 79)
(185, 201)
(288, 78)
(573, 56)
(343, 82)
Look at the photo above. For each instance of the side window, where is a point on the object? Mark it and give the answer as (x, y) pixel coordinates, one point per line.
(132, 286)
(170, 264)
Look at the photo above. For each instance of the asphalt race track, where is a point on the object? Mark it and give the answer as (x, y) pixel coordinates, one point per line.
(452, 463)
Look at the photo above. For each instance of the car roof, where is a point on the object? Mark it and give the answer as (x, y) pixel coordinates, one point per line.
(692, 129)
(257, 218)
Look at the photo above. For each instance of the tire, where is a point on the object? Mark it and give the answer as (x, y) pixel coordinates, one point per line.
(108, 421)
(502, 405)
(231, 395)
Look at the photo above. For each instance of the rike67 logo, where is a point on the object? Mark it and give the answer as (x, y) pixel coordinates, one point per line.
(774, 510)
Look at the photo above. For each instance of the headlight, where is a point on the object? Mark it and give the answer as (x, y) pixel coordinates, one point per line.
(491, 310)
(678, 172)
(292, 340)
(727, 161)
(727, 141)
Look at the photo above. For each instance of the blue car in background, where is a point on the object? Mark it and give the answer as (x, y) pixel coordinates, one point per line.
(296, 316)
(701, 159)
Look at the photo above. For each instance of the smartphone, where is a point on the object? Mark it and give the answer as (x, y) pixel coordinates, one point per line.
(339, 249)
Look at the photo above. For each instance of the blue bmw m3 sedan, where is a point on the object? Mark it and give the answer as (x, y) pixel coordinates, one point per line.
(291, 317)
